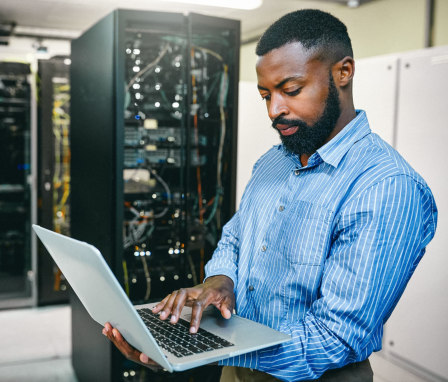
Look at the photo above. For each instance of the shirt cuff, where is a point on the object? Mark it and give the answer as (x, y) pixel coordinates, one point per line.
(248, 360)
(222, 272)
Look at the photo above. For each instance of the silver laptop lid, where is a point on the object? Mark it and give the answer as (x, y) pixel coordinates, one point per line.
(99, 291)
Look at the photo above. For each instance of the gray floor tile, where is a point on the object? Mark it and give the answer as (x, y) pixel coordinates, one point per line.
(37, 333)
(48, 370)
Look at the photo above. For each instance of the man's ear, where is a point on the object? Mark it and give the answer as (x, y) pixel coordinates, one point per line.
(343, 72)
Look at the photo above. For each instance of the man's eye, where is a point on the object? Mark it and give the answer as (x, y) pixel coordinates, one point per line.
(294, 92)
(266, 97)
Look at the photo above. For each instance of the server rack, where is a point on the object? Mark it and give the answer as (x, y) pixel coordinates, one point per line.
(153, 143)
(53, 170)
(17, 197)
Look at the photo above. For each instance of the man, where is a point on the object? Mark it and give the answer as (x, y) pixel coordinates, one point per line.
(330, 227)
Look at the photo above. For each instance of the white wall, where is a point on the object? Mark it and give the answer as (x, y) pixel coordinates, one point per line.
(255, 133)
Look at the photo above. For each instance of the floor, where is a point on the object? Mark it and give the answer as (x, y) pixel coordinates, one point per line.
(35, 345)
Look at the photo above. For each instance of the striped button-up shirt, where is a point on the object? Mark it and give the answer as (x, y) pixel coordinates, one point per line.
(323, 252)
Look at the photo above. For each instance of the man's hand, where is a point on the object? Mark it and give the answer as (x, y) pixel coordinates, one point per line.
(216, 290)
(127, 350)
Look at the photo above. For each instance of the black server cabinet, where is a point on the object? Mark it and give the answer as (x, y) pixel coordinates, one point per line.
(16, 206)
(154, 99)
(53, 170)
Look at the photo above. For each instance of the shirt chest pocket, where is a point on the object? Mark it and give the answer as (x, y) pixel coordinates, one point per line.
(307, 233)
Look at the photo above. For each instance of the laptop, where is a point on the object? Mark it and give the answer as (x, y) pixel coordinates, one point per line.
(105, 300)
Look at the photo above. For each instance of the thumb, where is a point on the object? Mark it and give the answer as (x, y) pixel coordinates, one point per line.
(226, 310)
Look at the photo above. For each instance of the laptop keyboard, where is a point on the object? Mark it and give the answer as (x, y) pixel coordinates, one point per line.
(177, 339)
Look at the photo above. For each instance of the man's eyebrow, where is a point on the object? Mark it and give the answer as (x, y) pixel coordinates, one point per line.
(281, 83)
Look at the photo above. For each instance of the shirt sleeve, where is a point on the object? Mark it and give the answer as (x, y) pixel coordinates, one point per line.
(378, 239)
(225, 257)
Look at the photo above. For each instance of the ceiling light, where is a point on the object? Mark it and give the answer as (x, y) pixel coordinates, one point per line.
(349, 3)
(353, 3)
(237, 4)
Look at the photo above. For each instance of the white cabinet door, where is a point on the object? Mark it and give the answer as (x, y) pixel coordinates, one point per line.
(418, 329)
(375, 91)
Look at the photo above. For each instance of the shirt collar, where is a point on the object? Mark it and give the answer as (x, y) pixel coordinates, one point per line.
(333, 152)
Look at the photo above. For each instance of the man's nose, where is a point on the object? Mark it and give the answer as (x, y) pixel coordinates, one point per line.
(277, 107)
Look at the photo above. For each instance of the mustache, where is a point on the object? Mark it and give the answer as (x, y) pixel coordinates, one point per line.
(288, 122)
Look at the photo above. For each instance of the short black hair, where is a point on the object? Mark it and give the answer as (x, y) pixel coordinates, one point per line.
(316, 30)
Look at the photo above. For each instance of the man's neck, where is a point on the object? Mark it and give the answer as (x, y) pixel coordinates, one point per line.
(344, 119)
(347, 115)
(304, 159)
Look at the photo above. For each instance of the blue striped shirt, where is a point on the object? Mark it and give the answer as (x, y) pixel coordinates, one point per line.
(324, 252)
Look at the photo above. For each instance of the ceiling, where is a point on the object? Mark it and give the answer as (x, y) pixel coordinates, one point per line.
(68, 18)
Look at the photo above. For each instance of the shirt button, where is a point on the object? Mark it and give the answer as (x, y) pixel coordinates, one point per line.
(281, 208)
(296, 171)
(263, 248)
(251, 288)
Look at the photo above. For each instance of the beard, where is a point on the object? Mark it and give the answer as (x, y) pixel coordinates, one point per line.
(308, 138)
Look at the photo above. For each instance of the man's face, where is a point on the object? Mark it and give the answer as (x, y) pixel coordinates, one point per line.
(301, 97)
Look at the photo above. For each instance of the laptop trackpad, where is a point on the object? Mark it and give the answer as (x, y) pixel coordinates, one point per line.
(210, 314)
